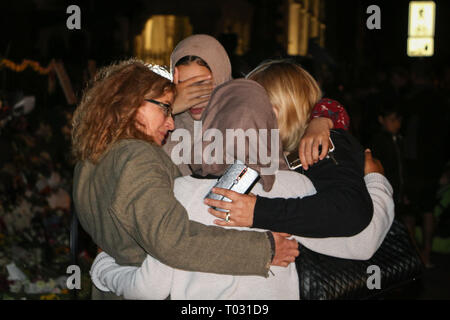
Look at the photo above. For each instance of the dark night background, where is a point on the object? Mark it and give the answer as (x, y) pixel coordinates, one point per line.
(357, 66)
(347, 38)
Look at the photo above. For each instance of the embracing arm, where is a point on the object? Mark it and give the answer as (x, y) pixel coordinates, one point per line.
(363, 245)
(342, 206)
(145, 206)
(152, 280)
(327, 114)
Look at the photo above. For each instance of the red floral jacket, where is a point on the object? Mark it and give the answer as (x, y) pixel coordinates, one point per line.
(333, 110)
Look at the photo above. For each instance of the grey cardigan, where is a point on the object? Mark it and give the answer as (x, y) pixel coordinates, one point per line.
(127, 205)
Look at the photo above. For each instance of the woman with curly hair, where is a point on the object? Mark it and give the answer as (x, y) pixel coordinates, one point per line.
(123, 183)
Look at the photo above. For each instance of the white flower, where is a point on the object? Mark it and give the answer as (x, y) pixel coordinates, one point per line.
(20, 217)
(40, 287)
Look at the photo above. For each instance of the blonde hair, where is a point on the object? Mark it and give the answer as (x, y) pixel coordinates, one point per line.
(108, 108)
(293, 92)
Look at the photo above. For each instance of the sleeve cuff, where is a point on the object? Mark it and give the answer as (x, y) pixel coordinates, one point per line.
(272, 244)
(375, 177)
(98, 265)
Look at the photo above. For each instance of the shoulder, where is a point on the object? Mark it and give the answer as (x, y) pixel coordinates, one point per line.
(135, 152)
(344, 140)
(348, 154)
(126, 145)
(334, 110)
(129, 148)
(329, 103)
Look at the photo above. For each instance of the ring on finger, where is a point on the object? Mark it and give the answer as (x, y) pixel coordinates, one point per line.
(227, 217)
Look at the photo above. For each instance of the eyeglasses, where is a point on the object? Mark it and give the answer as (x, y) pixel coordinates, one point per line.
(166, 107)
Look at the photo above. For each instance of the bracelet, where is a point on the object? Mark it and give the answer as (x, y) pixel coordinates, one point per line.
(272, 244)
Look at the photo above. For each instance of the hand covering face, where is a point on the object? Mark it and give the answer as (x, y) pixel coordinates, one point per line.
(210, 50)
(243, 105)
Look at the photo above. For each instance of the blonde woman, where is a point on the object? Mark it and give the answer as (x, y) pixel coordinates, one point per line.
(342, 201)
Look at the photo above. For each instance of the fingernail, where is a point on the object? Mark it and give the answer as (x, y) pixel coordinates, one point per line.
(367, 150)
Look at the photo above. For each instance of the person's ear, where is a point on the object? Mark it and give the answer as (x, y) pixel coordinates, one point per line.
(176, 75)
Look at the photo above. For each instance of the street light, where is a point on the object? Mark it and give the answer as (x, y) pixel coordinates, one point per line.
(421, 28)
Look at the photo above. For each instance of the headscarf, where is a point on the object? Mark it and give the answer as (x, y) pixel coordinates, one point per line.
(210, 50)
(242, 104)
(214, 54)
